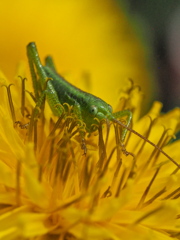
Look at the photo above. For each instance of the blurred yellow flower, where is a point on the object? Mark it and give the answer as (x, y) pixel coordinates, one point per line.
(87, 38)
(50, 190)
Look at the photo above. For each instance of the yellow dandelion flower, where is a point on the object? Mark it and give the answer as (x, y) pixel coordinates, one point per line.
(50, 190)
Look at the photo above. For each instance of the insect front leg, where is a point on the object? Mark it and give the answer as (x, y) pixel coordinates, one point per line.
(128, 115)
(120, 114)
(82, 132)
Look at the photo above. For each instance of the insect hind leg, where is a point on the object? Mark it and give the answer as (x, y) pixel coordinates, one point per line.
(34, 60)
(50, 63)
(44, 87)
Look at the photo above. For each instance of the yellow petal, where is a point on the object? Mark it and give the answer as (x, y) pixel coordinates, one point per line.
(32, 224)
(34, 189)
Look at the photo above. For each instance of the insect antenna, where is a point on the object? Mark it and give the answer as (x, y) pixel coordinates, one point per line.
(147, 140)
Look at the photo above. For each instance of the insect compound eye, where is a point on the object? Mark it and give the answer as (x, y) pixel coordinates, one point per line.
(93, 110)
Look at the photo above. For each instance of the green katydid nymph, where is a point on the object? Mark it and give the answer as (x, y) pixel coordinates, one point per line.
(88, 108)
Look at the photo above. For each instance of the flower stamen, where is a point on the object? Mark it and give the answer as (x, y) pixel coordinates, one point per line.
(102, 148)
(141, 202)
(11, 105)
(172, 193)
(151, 200)
(148, 214)
(18, 174)
(23, 90)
